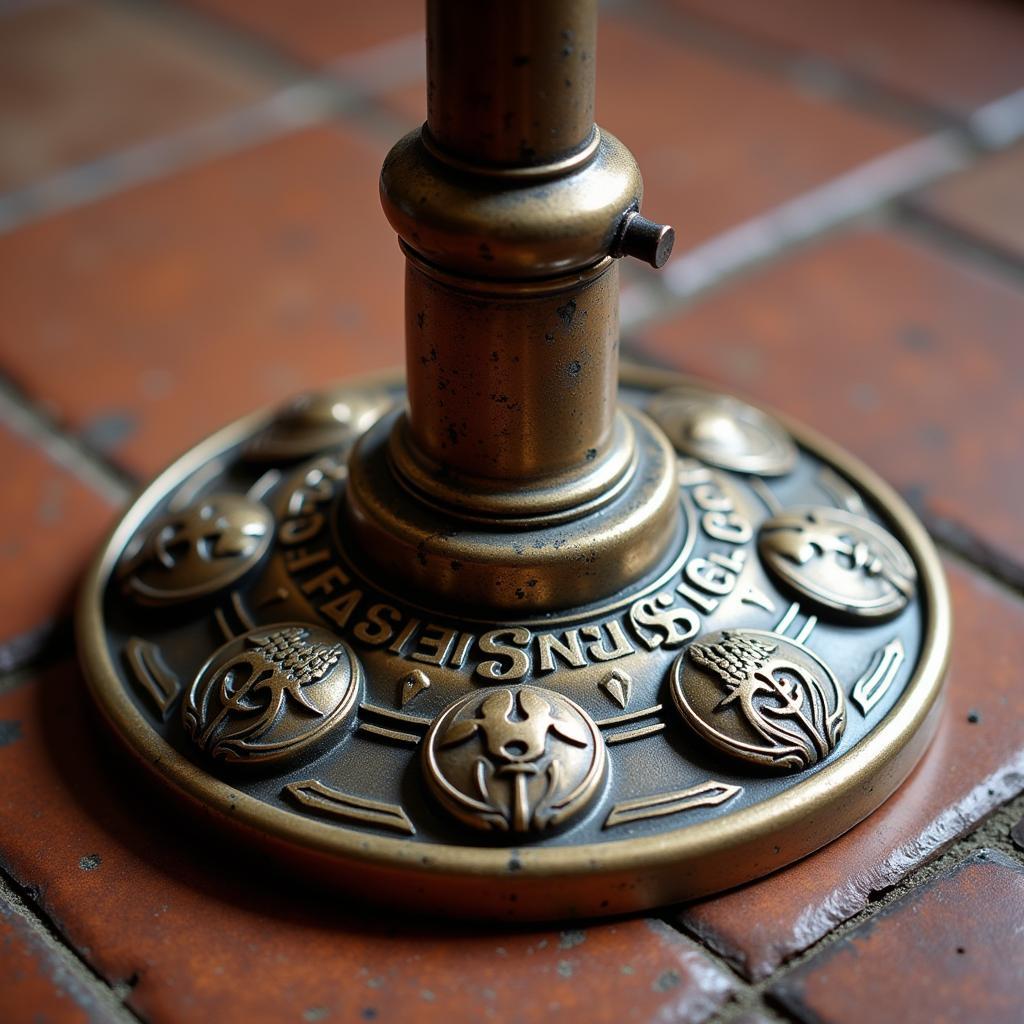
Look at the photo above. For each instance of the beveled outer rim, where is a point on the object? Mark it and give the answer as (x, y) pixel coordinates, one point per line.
(527, 883)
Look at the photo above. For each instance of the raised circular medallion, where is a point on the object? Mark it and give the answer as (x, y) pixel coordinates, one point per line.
(272, 695)
(515, 760)
(723, 431)
(197, 551)
(760, 698)
(839, 561)
(317, 422)
(594, 758)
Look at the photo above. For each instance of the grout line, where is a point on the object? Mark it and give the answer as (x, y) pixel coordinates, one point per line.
(344, 86)
(25, 418)
(958, 545)
(867, 188)
(24, 656)
(72, 973)
(931, 227)
(1000, 123)
(746, 999)
(992, 833)
(851, 195)
(398, 62)
(296, 106)
(809, 73)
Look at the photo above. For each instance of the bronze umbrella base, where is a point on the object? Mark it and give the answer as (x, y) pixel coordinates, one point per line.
(510, 639)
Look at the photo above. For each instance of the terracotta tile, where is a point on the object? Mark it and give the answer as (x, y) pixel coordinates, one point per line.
(51, 524)
(212, 935)
(949, 53)
(717, 144)
(190, 301)
(987, 201)
(36, 987)
(80, 80)
(318, 30)
(975, 763)
(949, 951)
(910, 359)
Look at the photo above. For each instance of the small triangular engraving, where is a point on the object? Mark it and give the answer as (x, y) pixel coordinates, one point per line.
(415, 682)
(616, 684)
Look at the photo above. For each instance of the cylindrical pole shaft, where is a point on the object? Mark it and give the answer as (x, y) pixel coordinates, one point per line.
(510, 83)
(512, 387)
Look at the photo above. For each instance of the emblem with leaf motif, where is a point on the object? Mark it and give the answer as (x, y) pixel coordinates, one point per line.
(514, 760)
(840, 561)
(761, 698)
(271, 694)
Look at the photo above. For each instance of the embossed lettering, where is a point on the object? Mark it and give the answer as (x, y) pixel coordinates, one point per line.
(315, 490)
(711, 578)
(433, 644)
(458, 658)
(326, 582)
(727, 526)
(340, 610)
(598, 651)
(711, 499)
(570, 651)
(295, 531)
(403, 638)
(518, 661)
(673, 626)
(298, 559)
(379, 625)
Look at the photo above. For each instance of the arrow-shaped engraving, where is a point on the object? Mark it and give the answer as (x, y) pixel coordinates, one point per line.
(146, 664)
(616, 684)
(707, 794)
(333, 802)
(875, 683)
(412, 685)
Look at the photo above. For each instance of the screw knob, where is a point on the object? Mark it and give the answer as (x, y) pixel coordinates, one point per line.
(645, 240)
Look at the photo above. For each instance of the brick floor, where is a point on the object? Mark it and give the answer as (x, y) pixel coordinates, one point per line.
(985, 203)
(210, 935)
(80, 80)
(950, 952)
(36, 987)
(909, 357)
(137, 323)
(243, 268)
(944, 52)
(975, 763)
(52, 524)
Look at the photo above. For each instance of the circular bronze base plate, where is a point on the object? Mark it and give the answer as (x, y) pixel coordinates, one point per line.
(754, 696)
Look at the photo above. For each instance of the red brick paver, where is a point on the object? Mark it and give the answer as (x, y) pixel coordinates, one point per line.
(946, 52)
(80, 80)
(950, 952)
(909, 358)
(188, 302)
(211, 935)
(986, 202)
(36, 987)
(975, 763)
(52, 525)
